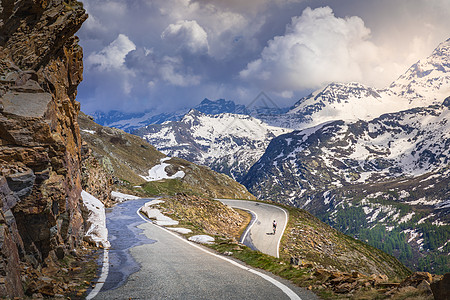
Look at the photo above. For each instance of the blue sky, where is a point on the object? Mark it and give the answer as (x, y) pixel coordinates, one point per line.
(168, 54)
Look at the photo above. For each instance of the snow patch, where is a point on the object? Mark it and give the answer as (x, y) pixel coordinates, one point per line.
(180, 230)
(202, 239)
(406, 218)
(155, 214)
(120, 197)
(158, 172)
(442, 247)
(88, 131)
(95, 219)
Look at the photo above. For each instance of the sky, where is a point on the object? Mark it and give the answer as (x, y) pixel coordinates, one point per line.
(163, 55)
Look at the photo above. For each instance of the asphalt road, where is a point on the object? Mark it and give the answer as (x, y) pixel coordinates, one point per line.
(170, 267)
(260, 234)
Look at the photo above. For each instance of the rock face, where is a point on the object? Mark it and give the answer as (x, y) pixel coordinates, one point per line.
(40, 179)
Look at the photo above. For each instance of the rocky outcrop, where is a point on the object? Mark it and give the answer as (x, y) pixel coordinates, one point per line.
(441, 288)
(40, 179)
(95, 180)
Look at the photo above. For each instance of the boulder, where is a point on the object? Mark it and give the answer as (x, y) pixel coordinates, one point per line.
(441, 288)
(416, 279)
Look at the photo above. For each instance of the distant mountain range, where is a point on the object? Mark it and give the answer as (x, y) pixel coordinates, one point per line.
(337, 101)
(132, 121)
(228, 143)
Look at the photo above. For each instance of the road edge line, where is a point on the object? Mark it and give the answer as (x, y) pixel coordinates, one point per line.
(290, 293)
(254, 214)
(285, 224)
(103, 276)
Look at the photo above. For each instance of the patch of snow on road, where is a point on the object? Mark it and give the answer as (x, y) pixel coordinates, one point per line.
(202, 239)
(154, 202)
(95, 219)
(120, 197)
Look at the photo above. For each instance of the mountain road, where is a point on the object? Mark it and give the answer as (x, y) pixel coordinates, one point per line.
(170, 267)
(259, 234)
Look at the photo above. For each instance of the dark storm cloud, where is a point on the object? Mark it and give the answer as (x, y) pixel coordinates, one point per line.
(166, 54)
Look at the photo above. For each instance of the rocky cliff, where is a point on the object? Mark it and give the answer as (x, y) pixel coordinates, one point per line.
(40, 179)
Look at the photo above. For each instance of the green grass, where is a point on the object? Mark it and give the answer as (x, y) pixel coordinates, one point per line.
(168, 187)
(256, 259)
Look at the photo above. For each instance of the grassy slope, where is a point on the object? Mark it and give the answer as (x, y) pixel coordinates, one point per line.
(310, 239)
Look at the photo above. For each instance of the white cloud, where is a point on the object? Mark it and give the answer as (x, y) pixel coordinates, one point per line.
(188, 35)
(113, 55)
(317, 48)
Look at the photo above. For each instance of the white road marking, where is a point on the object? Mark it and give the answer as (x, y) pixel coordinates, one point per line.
(275, 282)
(103, 276)
(250, 226)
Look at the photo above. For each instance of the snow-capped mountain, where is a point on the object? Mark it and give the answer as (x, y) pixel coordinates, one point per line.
(425, 83)
(428, 80)
(227, 143)
(392, 171)
(131, 121)
(404, 144)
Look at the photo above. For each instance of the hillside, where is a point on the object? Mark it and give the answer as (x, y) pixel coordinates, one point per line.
(382, 180)
(134, 162)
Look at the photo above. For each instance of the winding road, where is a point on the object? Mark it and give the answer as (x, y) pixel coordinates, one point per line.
(170, 267)
(259, 234)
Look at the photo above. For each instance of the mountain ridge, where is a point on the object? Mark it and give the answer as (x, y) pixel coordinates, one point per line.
(227, 143)
(133, 162)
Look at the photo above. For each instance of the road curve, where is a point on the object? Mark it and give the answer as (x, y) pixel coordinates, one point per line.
(170, 267)
(259, 235)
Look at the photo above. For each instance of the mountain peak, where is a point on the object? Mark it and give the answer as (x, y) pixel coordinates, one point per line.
(428, 80)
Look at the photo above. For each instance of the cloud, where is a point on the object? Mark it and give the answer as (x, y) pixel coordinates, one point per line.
(188, 35)
(170, 72)
(317, 48)
(177, 52)
(112, 56)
